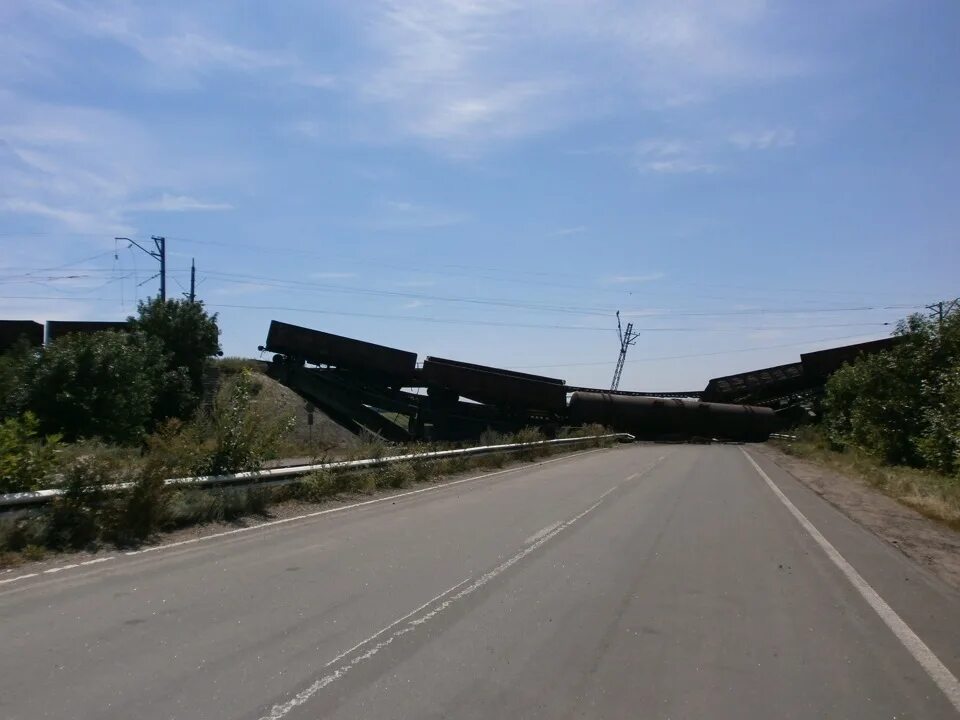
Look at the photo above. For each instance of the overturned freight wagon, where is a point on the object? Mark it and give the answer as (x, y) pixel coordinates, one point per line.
(378, 389)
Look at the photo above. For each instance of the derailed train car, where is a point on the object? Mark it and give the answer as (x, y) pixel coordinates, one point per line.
(355, 382)
(672, 418)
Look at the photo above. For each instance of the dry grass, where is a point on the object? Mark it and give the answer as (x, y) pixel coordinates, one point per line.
(92, 519)
(933, 495)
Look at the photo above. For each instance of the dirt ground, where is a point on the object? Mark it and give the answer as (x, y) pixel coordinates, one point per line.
(926, 541)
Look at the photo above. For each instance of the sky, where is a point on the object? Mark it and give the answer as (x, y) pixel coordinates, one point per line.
(490, 181)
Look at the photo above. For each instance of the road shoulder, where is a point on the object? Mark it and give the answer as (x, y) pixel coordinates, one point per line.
(926, 542)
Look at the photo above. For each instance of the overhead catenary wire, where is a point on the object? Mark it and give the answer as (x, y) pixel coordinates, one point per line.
(461, 321)
(692, 355)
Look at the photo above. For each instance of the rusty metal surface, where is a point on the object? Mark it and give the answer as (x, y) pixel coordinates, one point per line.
(673, 417)
(822, 363)
(755, 384)
(321, 348)
(13, 330)
(59, 328)
(639, 393)
(496, 386)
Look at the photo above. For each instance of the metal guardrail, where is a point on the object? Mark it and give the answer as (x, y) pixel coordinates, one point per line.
(285, 475)
(782, 436)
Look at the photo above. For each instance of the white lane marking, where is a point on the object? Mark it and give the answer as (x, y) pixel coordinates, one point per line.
(279, 711)
(937, 671)
(540, 533)
(51, 571)
(635, 475)
(98, 560)
(19, 577)
(283, 521)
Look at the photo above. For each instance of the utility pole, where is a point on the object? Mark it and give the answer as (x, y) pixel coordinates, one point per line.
(159, 254)
(941, 309)
(192, 295)
(627, 339)
(161, 243)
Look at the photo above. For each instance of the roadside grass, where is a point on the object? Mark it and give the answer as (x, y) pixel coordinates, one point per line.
(89, 516)
(931, 494)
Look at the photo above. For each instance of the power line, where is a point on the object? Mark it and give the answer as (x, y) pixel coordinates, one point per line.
(420, 318)
(691, 355)
(504, 302)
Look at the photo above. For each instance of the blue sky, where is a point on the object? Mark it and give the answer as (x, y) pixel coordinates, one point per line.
(490, 181)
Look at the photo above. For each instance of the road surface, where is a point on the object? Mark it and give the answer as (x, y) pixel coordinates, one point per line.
(648, 581)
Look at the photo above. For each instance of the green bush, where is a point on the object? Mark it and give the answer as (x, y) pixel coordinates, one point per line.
(396, 475)
(188, 337)
(243, 436)
(135, 513)
(77, 517)
(902, 406)
(26, 458)
(13, 387)
(102, 384)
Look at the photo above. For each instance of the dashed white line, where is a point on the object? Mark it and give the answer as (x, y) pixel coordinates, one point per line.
(937, 671)
(279, 711)
(539, 534)
(54, 570)
(19, 577)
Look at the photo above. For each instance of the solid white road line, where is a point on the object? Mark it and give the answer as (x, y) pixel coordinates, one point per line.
(937, 671)
(284, 521)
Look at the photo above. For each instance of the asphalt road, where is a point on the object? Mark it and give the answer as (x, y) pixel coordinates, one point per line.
(637, 582)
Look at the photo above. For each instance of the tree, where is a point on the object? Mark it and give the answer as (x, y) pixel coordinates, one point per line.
(189, 337)
(101, 384)
(903, 405)
(12, 383)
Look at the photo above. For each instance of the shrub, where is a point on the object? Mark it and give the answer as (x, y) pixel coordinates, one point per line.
(13, 365)
(188, 337)
(25, 457)
(180, 447)
(530, 435)
(139, 511)
(242, 435)
(903, 405)
(102, 384)
(77, 516)
(397, 475)
(319, 485)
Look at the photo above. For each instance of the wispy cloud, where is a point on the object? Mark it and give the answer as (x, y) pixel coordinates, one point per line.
(767, 139)
(671, 156)
(83, 169)
(178, 203)
(635, 279)
(74, 220)
(405, 215)
(463, 74)
(333, 275)
(562, 232)
(174, 47)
